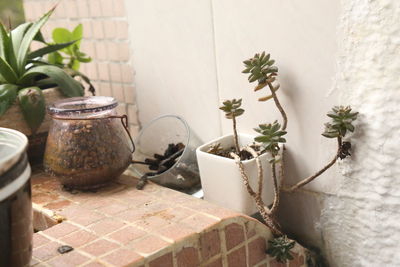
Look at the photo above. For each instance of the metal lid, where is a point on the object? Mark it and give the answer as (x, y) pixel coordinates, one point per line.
(12, 145)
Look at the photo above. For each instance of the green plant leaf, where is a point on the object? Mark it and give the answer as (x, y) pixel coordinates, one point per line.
(48, 49)
(27, 40)
(77, 34)
(68, 85)
(8, 93)
(75, 64)
(7, 72)
(33, 106)
(62, 35)
(18, 34)
(55, 58)
(4, 42)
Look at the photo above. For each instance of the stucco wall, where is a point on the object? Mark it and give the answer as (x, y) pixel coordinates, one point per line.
(361, 223)
(187, 57)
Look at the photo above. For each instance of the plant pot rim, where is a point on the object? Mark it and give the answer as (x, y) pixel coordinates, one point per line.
(18, 141)
(202, 148)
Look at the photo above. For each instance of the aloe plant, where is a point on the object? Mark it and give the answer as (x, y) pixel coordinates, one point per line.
(23, 74)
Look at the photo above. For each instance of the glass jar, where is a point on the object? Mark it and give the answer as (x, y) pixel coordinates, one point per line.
(88, 143)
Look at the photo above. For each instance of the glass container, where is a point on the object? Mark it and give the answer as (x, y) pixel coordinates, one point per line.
(88, 145)
(155, 138)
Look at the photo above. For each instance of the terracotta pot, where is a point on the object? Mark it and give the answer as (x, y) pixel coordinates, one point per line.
(14, 119)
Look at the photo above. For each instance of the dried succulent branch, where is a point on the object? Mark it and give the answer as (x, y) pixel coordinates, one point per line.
(262, 208)
(232, 110)
(215, 149)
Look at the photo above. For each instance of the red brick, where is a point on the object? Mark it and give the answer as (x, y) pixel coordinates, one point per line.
(94, 8)
(297, 261)
(199, 222)
(106, 226)
(162, 261)
(149, 244)
(83, 9)
(70, 259)
(122, 29)
(40, 198)
(275, 263)
(119, 8)
(127, 73)
(122, 257)
(234, 235)
(250, 231)
(257, 250)
(127, 234)
(118, 92)
(107, 7)
(86, 217)
(210, 244)
(237, 258)
(130, 95)
(110, 29)
(188, 257)
(46, 251)
(115, 72)
(57, 205)
(39, 240)
(216, 263)
(99, 247)
(94, 264)
(103, 71)
(61, 230)
(175, 232)
(79, 238)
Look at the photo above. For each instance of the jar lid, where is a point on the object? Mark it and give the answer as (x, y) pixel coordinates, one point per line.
(12, 145)
(82, 105)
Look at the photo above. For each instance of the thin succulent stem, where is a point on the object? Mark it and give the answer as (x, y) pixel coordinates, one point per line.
(235, 135)
(259, 169)
(278, 105)
(264, 210)
(282, 168)
(275, 204)
(321, 171)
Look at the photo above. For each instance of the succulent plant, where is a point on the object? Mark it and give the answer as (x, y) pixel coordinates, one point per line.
(342, 121)
(271, 136)
(280, 247)
(232, 108)
(261, 67)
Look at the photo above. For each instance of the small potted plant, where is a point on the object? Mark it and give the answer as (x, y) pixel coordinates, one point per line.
(258, 159)
(28, 81)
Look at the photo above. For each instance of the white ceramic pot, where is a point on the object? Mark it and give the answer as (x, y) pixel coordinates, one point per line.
(221, 180)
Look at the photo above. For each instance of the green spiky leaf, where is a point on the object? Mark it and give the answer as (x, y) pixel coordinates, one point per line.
(8, 94)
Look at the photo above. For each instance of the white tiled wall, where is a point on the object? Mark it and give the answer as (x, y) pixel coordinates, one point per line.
(188, 56)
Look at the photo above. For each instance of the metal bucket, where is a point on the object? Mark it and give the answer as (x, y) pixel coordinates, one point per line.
(15, 200)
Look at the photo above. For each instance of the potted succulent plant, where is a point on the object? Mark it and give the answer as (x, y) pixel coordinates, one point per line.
(25, 74)
(258, 159)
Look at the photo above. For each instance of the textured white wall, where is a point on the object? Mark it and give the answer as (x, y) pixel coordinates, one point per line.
(361, 224)
(188, 54)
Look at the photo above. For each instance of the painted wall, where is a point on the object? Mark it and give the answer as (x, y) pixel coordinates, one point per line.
(188, 58)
